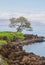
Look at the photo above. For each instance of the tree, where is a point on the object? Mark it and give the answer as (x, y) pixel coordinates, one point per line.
(21, 22)
(12, 21)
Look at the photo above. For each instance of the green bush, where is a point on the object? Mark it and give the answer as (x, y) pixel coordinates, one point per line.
(5, 63)
(11, 35)
(8, 34)
(3, 42)
(19, 35)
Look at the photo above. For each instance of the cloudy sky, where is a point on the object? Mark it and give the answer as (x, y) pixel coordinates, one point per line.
(31, 9)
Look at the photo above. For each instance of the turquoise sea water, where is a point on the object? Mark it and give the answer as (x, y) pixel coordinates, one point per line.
(39, 29)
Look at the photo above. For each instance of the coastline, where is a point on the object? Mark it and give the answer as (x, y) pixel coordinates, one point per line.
(29, 39)
(13, 53)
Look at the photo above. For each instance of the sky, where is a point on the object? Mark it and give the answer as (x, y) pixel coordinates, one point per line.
(31, 9)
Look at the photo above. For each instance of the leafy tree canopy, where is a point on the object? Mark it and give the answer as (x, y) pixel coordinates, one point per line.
(24, 23)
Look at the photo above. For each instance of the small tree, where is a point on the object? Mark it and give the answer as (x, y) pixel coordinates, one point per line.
(12, 21)
(22, 23)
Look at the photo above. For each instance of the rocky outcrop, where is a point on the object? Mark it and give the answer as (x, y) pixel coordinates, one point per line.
(31, 36)
(15, 55)
(1, 60)
(29, 39)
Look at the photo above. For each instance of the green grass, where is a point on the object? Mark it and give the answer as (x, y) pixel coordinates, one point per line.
(5, 63)
(8, 34)
(11, 35)
(20, 35)
(3, 42)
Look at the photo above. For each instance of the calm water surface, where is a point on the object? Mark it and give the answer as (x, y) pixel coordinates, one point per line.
(37, 48)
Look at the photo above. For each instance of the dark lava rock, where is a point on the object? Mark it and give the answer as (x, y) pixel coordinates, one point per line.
(17, 56)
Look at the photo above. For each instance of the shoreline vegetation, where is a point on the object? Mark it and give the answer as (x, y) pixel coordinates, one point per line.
(11, 49)
(19, 38)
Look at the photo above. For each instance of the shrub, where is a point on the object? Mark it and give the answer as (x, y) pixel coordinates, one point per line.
(19, 35)
(12, 35)
(8, 34)
(3, 42)
(5, 63)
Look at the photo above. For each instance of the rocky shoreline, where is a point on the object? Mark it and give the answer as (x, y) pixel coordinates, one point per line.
(15, 55)
(29, 39)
